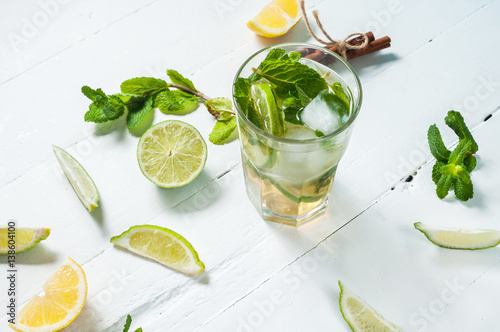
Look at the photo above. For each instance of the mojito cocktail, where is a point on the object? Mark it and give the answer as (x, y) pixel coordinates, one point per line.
(296, 104)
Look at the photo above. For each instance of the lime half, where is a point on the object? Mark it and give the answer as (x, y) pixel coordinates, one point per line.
(162, 245)
(265, 104)
(360, 316)
(25, 238)
(171, 154)
(80, 180)
(457, 238)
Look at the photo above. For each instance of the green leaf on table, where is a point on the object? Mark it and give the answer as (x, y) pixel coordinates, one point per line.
(128, 322)
(463, 147)
(177, 78)
(176, 101)
(94, 95)
(470, 162)
(444, 185)
(222, 131)
(142, 85)
(139, 113)
(103, 112)
(455, 121)
(436, 171)
(221, 108)
(436, 144)
(463, 190)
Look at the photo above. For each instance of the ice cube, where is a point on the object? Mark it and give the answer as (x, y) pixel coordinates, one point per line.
(299, 132)
(321, 114)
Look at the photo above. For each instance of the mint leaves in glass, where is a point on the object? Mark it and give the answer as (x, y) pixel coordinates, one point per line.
(295, 118)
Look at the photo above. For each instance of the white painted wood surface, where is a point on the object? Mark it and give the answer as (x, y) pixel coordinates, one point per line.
(260, 276)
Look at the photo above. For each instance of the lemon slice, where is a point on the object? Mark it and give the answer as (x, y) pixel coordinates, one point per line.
(171, 154)
(25, 238)
(457, 238)
(62, 301)
(80, 180)
(276, 19)
(360, 316)
(162, 245)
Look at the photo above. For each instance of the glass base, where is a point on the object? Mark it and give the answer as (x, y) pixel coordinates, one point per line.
(294, 220)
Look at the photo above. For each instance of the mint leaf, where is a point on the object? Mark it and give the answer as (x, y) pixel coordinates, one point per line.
(457, 156)
(470, 162)
(241, 94)
(277, 54)
(292, 115)
(139, 329)
(436, 171)
(139, 114)
(142, 85)
(92, 94)
(127, 324)
(221, 108)
(339, 92)
(222, 131)
(176, 101)
(463, 190)
(287, 75)
(295, 56)
(444, 185)
(438, 149)
(319, 133)
(177, 78)
(303, 97)
(455, 121)
(103, 113)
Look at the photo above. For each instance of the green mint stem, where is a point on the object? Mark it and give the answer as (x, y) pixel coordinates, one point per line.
(191, 91)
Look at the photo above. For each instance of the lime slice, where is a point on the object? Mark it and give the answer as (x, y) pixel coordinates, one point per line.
(274, 120)
(171, 154)
(80, 180)
(162, 245)
(25, 238)
(457, 238)
(359, 315)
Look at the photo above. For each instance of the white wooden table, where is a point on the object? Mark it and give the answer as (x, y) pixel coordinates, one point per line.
(260, 276)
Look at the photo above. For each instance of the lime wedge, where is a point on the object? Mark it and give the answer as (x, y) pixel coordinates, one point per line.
(360, 316)
(25, 238)
(457, 238)
(171, 154)
(162, 245)
(80, 180)
(273, 118)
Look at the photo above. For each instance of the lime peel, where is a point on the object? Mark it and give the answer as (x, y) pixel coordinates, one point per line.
(461, 239)
(26, 239)
(360, 316)
(163, 246)
(80, 180)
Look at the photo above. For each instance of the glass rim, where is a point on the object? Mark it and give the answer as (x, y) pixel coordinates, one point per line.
(335, 133)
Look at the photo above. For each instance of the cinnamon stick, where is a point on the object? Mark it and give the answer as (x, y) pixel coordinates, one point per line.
(374, 45)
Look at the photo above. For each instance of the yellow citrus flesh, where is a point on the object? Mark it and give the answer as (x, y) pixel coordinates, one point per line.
(25, 238)
(62, 301)
(276, 19)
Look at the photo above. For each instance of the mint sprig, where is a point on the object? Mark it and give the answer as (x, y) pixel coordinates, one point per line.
(452, 169)
(141, 95)
(128, 322)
